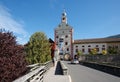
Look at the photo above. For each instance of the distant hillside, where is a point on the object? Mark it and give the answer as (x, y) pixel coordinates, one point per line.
(114, 36)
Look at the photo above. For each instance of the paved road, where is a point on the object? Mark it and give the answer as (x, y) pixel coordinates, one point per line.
(81, 73)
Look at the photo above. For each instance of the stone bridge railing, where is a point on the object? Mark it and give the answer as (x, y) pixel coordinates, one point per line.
(64, 68)
(102, 59)
(106, 63)
(36, 74)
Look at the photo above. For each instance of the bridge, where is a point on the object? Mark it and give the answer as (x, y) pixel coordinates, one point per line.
(80, 73)
(64, 71)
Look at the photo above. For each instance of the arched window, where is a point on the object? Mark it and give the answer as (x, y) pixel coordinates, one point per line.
(89, 45)
(83, 46)
(103, 45)
(97, 46)
(76, 46)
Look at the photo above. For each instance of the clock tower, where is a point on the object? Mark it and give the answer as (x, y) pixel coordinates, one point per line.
(64, 36)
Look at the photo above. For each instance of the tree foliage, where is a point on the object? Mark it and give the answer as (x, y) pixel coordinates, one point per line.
(113, 50)
(12, 57)
(104, 52)
(93, 51)
(79, 53)
(38, 48)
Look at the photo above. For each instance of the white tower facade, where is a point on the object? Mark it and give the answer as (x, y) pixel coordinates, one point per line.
(64, 36)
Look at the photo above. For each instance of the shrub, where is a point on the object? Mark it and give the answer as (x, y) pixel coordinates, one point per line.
(12, 57)
(79, 53)
(104, 52)
(93, 51)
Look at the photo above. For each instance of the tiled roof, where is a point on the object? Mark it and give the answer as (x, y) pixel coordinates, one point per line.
(97, 40)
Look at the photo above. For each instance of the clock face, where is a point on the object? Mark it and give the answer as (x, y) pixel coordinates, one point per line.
(63, 19)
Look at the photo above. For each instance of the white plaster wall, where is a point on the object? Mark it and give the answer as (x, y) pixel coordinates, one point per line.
(62, 34)
(93, 45)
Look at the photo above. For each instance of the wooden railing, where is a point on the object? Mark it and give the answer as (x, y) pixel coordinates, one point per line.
(36, 74)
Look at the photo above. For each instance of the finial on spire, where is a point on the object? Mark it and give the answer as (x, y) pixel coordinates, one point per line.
(64, 13)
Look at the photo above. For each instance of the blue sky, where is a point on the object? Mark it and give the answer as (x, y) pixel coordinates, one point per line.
(89, 18)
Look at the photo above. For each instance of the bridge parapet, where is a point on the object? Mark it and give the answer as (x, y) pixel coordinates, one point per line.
(64, 68)
(106, 63)
(36, 74)
(101, 59)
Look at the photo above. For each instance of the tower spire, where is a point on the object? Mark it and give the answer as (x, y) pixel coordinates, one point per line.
(64, 17)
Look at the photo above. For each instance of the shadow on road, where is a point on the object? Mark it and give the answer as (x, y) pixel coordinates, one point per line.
(58, 70)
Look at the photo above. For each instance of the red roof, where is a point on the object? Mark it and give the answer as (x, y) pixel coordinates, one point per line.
(97, 40)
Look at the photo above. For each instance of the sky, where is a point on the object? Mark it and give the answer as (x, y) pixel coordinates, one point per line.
(89, 18)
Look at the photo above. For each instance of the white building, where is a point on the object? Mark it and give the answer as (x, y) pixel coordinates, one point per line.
(100, 44)
(86, 45)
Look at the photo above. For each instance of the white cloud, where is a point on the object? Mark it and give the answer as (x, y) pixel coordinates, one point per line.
(7, 22)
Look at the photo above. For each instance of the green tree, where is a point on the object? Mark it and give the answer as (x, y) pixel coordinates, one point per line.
(112, 50)
(38, 48)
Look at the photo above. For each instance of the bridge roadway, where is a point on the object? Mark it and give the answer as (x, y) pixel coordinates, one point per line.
(81, 73)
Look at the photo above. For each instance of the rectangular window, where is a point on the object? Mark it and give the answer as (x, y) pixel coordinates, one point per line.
(83, 50)
(89, 50)
(67, 49)
(66, 43)
(103, 48)
(56, 36)
(61, 40)
(76, 50)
